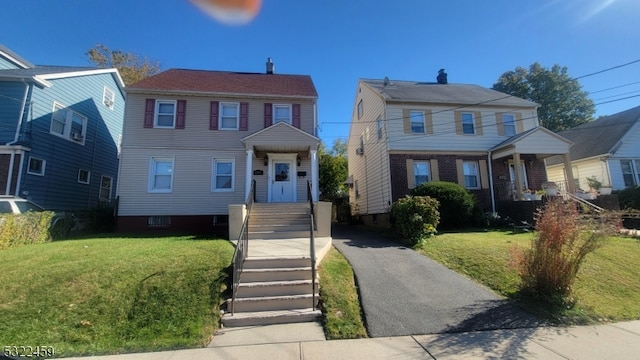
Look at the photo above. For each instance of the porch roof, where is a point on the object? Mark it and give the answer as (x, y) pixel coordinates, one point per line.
(539, 141)
(283, 138)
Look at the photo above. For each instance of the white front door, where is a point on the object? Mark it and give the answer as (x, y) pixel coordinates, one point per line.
(282, 180)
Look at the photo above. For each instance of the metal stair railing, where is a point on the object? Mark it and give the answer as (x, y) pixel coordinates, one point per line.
(580, 200)
(242, 247)
(312, 246)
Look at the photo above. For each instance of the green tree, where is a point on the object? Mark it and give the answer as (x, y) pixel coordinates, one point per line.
(563, 103)
(132, 67)
(333, 170)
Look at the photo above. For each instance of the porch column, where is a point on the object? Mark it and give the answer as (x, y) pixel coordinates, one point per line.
(248, 175)
(314, 173)
(568, 170)
(518, 174)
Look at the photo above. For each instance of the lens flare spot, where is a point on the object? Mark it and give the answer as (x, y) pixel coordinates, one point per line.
(232, 12)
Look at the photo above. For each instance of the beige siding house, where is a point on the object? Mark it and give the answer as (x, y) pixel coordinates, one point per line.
(195, 141)
(404, 133)
(606, 149)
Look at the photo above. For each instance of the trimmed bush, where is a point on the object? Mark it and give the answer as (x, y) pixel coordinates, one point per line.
(415, 218)
(456, 203)
(23, 229)
(629, 198)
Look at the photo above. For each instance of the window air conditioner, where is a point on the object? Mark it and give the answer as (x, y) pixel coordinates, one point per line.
(76, 136)
(359, 151)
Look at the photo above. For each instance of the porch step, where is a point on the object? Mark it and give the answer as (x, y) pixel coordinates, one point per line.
(275, 274)
(271, 317)
(272, 263)
(274, 235)
(275, 288)
(270, 303)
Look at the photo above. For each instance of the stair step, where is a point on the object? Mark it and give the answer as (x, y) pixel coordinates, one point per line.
(275, 274)
(271, 263)
(271, 317)
(270, 303)
(255, 235)
(275, 288)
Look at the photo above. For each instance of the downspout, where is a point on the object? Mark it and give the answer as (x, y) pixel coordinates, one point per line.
(491, 191)
(21, 115)
(315, 119)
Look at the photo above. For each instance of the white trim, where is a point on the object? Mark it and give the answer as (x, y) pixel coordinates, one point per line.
(156, 112)
(427, 163)
(54, 76)
(15, 60)
(67, 134)
(477, 174)
(152, 161)
(88, 176)
(220, 115)
(44, 166)
(108, 101)
(101, 188)
(214, 174)
(248, 174)
(473, 122)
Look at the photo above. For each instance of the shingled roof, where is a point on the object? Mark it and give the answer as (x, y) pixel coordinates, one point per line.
(429, 92)
(223, 82)
(598, 137)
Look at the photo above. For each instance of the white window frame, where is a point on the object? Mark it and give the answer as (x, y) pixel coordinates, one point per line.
(156, 113)
(152, 173)
(634, 168)
(44, 165)
(379, 127)
(69, 117)
(511, 124)
(237, 117)
(360, 109)
(108, 98)
(100, 197)
(416, 168)
(464, 119)
(413, 114)
(468, 174)
(88, 181)
(214, 174)
(289, 119)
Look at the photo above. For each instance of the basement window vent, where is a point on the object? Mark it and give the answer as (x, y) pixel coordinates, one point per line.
(220, 219)
(159, 221)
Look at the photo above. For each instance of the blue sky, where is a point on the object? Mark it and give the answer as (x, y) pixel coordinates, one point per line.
(339, 41)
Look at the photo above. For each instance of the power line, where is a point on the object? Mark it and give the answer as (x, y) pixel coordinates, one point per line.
(608, 69)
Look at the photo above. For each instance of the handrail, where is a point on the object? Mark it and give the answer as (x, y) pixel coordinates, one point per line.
(242, 248)
(312, 244)
(575, 198)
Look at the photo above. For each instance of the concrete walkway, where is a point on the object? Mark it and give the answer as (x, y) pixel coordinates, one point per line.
(620, 341)
(405, 293)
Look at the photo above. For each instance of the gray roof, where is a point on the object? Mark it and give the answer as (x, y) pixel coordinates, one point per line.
(430, 92)
(8, 51)
(598, 137)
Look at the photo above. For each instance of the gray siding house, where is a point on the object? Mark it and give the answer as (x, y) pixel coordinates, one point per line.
(59, 133)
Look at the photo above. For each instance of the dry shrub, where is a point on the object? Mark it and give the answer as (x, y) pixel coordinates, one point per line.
(563, 238)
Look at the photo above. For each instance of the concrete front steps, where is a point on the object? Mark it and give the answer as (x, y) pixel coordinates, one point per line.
(274, 291)
(279, 221)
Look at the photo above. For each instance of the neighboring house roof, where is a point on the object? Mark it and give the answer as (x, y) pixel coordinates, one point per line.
(14, 58)
(42, 73)
(223, 82)
(598, 137)
(467, 94)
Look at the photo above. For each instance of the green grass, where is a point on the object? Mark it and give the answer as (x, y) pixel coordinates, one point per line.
(607, 287)
(340, 302)
(112, 295)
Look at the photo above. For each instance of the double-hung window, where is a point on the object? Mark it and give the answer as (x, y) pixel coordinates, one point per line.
(468, 127)
(161, 174)
(105, 188)
(630, 172)
(36, 166)
(471, 179)
(282, 113)
(509, 124)
(379, 127)
(108, 98)
(84, 176)
(421, 172)
(417, 121)
(223, 175)
(165, 114)
(229, 115)
(68, 124)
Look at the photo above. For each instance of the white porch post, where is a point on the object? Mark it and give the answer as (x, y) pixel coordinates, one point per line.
(248, 174)
(314, 174)
(568, 171)
(518, 175)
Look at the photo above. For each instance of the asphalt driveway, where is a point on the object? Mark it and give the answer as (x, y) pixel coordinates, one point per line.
(405, 293)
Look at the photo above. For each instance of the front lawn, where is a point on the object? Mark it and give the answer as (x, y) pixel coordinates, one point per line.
(607, 287)
(112, 295)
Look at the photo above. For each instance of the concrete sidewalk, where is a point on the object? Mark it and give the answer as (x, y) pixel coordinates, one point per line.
(302, 341)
